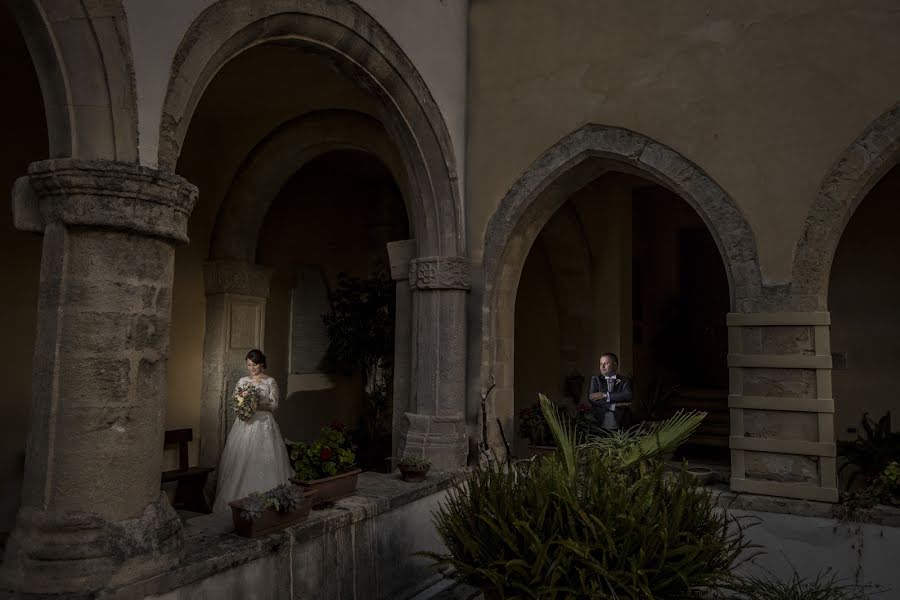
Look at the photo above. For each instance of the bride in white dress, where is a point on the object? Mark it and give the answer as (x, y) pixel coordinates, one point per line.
(255, 458)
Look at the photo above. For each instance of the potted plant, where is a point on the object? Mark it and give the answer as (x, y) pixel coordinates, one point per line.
(413, 468)
(327, 465)
(263, 512)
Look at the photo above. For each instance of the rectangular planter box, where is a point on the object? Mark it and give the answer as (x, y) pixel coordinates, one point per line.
(271, 520)
(332, 488)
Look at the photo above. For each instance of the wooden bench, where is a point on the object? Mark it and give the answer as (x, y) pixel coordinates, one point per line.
(189, 494)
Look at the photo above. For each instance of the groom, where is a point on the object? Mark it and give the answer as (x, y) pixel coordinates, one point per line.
(609, 390)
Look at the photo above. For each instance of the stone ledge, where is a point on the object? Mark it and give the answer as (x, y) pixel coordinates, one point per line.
(879, 515)
(212, 548)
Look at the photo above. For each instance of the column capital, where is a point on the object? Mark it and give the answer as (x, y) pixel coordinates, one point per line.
(226, 276)
(103, 194)
(440, 273)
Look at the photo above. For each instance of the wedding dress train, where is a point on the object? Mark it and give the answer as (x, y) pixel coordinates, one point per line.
(255, 458)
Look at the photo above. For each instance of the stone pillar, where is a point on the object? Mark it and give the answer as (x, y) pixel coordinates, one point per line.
(435, 425)
(92, 515)
(401, 254)
(236, 295)
(782, 411)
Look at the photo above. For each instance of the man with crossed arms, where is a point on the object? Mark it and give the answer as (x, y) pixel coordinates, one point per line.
(608, 390)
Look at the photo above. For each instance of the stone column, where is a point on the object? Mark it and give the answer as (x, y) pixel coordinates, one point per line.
(435, 425)
(92, 515)
(236, 295)
(782, 411)
(401, 254)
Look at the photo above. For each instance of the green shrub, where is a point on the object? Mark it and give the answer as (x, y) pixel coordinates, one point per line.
(589, 522)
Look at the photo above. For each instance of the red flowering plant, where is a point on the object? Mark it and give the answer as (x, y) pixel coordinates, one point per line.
(331, 454)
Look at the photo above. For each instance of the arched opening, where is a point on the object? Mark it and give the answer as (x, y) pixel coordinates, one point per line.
(665, 195)
(299, 181)
(626, 266)
(335, 216)
(25, 129)
(863, 299)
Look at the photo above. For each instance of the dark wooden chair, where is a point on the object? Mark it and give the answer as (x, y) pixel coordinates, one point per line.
(191, 480)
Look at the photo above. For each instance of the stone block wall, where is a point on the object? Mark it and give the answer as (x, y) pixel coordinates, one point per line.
(782, 412)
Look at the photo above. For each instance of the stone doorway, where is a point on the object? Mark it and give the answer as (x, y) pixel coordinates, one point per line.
(625, 265)
(863, 297)
(571, 166)
(334, 217)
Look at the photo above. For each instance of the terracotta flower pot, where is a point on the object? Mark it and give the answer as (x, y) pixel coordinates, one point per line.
(332, 488)
(270, 520)
(413, 474)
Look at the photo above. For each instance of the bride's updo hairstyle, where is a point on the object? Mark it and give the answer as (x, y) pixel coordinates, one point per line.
(257, 357)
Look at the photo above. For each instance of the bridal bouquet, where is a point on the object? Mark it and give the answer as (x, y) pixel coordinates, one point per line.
(245, 401)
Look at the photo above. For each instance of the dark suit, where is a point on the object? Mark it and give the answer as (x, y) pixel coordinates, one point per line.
(620, 392)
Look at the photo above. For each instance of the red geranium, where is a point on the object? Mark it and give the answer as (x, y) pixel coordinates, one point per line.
(325, 454)
(337, 425)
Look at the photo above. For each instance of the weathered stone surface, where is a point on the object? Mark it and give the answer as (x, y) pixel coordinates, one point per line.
(784, 383)
(358, 45)
(91, 490)
(360, 547)
(781, 425)
(401, 254)
(843, 188)
(112, 195)
(798, 339)
(441, 439)
(788, 468)
(236, 277)
(439, 273)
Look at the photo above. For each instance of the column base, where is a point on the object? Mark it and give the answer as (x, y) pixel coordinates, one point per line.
(441, 439)
(75, 552)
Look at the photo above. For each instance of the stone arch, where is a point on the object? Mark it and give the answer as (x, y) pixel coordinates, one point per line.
(569, 165)
(278, 157)
(859, 168)
(359, 46)
(82, 55)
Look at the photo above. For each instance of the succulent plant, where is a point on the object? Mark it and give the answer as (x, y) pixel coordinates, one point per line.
(284, 498)
(414, 462)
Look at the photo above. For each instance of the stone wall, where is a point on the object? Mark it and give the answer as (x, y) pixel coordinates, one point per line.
(362, 548)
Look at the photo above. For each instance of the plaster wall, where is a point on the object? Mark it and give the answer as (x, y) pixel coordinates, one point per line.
(764, 97)
(863, 301)
(432, 33)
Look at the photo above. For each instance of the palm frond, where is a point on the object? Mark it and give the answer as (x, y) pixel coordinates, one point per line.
(564, 432)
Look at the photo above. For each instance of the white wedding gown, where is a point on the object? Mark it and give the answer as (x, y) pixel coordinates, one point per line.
(255, 458)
